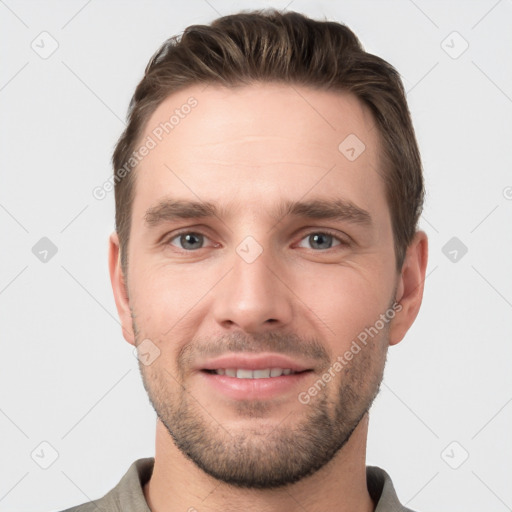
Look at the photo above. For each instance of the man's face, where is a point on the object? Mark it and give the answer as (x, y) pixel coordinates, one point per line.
(263, 282)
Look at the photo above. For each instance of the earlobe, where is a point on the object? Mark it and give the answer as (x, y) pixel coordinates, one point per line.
(410, 287)
(120, 289)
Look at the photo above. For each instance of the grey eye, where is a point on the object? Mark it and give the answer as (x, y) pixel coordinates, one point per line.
(320, 240)
(189, 241)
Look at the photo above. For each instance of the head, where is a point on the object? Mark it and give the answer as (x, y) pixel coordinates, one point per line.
(273, 215)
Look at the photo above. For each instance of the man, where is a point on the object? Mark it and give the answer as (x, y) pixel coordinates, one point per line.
(268, 189)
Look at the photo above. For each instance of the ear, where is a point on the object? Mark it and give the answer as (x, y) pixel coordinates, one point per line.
(410, 287)
(119, 288)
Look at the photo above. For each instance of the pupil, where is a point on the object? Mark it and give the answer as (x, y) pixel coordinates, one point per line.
(321, 239)
(191, 241)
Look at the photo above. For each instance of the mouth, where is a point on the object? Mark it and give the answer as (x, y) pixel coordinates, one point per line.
(264, 373)
(246, 365)
(249, 376)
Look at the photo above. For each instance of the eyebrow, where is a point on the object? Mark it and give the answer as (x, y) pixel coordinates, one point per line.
(170, 210)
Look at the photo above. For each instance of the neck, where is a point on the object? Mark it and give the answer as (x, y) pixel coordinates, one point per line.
(177, 484)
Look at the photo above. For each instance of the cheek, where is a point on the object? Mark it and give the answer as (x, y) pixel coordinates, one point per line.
(344, 301)
(164, 296)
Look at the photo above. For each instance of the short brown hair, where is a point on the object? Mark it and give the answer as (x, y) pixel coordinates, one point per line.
(287, 47)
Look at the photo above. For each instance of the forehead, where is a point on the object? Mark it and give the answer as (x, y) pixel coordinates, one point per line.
(206, 115)
(259, 143)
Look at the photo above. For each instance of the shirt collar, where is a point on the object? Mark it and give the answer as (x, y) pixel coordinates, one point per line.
(128, 495)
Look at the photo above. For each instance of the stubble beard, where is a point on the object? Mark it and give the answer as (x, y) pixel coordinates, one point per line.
(264, 456)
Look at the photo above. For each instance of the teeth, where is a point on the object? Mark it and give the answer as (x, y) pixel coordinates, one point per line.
(261, 374)
(242, 373)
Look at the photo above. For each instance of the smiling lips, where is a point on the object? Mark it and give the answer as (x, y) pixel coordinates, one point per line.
(244, 373)
(250, 376)
(251, 366)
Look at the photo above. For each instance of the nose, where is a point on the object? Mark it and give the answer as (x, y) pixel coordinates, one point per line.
(253, 296)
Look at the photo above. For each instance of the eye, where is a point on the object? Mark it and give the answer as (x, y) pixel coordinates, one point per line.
(188, 240)
(319, 240)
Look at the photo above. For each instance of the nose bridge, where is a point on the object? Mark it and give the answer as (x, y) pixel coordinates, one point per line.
(252, 297)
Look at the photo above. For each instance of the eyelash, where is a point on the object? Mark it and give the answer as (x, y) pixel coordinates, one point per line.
(342, 243)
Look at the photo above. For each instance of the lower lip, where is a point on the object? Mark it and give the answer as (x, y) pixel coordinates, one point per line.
(254, 389)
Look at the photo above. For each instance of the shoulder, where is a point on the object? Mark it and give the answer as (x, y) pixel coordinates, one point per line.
(127, 495)
(87, 507)
(382, 491)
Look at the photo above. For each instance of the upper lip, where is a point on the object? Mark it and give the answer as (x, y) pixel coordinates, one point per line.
(250, 361)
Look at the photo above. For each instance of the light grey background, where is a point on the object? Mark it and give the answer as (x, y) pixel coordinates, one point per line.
(68, 378)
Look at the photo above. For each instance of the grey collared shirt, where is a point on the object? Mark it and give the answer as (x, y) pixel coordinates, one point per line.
(128, 496)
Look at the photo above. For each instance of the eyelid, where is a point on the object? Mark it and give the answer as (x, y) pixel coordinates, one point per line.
(166, 240)
(344, 240)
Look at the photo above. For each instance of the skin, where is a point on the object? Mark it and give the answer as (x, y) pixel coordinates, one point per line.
(247, 149)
